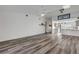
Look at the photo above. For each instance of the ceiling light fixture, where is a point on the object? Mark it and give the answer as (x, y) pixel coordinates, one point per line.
(66, 6)
(42, 15)
(61, 10)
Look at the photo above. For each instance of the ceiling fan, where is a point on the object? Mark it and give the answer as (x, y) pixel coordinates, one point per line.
(64, 7)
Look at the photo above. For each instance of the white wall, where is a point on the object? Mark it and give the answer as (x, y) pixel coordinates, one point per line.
(16, 25)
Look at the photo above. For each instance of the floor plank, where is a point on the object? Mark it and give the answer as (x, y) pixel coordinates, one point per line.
(41, 44)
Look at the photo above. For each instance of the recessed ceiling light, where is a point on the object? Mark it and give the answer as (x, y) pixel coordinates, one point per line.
(66, 6)
(42, 14)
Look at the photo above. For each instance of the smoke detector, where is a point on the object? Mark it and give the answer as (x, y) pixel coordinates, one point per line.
(27, 15)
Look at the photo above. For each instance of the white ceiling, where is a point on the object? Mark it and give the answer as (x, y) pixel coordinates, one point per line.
(72, 9)
(34, 9)
(37, 9)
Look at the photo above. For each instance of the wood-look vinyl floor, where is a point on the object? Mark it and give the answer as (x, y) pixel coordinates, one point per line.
(41, 44)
